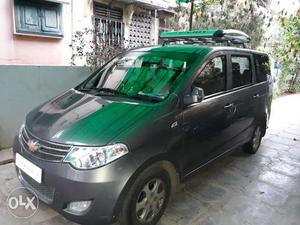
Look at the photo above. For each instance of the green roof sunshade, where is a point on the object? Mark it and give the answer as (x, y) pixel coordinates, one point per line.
(194, 33)
(235, 36)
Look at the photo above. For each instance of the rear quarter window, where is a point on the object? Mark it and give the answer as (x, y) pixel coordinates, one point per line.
(262, 67)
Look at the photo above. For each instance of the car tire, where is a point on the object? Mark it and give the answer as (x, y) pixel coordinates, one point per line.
(252, 146)
(147, 198)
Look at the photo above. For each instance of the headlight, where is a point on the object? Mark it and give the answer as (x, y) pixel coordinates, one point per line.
(93, 157)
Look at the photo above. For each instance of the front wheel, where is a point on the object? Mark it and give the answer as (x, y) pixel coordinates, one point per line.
(147, 198)
(253, 145)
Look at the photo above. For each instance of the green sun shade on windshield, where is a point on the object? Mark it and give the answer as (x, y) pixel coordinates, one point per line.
(154, 76)
(149, 76)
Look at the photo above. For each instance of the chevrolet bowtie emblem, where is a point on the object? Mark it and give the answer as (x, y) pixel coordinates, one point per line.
(33, 145)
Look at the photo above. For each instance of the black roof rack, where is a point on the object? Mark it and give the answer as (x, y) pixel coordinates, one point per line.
(229, 37)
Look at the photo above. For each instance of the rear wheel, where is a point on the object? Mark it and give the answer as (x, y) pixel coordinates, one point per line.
(147, 198)
(253, 145)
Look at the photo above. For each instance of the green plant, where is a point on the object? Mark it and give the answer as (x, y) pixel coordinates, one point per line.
(288, 54)
(90, 50)
(252, 17)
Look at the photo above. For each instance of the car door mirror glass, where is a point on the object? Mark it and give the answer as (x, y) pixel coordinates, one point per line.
(197, 95)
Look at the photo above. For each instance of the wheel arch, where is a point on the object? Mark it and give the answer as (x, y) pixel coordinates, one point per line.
(264, 123)
(166, 164)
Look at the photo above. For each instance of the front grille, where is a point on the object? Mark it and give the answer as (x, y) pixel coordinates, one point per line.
(46, 150)
(44, 192)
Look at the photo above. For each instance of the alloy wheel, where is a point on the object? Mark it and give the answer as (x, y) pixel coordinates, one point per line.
(256, 138)
(150, 200)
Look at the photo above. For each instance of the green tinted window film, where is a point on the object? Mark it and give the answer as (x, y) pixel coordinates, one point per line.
(140, 74)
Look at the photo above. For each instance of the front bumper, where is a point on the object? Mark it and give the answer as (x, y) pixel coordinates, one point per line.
(62, 184)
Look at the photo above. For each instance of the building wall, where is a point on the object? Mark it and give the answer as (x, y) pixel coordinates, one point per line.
(21, 49)
(77, 15)
(83, 13)
(128, 11)
(23, 88)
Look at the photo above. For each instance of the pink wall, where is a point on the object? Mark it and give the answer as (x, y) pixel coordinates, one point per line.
(20, 49)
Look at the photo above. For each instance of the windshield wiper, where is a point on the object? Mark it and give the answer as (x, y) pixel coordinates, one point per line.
(109, 90)
(97, 91)
(146, 98)
(139, 96)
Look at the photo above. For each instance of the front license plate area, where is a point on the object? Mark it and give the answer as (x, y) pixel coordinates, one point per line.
(29, 168)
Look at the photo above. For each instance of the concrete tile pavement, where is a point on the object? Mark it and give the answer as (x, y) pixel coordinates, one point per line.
(6, 156)
(239, 189)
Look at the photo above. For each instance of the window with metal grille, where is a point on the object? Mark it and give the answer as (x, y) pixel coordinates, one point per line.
(140, 30)
(109, 24)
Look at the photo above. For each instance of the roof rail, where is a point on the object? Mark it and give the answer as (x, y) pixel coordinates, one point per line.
(230, 37)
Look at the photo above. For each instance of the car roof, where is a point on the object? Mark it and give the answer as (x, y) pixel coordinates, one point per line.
(194, 49)
(246, 50)
(187, 53)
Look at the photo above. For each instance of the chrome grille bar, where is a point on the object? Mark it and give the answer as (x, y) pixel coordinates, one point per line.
(47, 150)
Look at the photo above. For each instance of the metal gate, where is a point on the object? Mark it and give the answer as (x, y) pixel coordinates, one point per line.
(140, 30)
(109, 25)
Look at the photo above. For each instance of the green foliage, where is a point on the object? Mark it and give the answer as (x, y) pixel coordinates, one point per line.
(232, 15)
(249, 16)
(289, 55)
(291, 27)
(176, 22)
(90, 50)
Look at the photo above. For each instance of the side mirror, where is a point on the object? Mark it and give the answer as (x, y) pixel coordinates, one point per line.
(196, 96)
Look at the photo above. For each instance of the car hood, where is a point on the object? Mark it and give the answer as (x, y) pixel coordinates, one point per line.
(82, 119)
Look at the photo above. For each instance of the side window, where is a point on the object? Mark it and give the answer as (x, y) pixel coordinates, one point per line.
(212, 79)
(241, 71)
(262, 67)
(38, 17)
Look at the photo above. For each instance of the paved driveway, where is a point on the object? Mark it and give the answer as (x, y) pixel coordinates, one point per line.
(261, 189)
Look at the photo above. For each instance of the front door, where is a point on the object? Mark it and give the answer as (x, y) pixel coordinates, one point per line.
(206, 123)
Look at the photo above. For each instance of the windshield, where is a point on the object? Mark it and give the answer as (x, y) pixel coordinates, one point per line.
(144, 75)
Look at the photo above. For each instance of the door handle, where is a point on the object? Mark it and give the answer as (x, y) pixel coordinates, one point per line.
(228, 106)
(256, 96)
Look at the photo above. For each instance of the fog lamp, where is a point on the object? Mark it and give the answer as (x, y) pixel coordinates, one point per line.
(78, 207)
